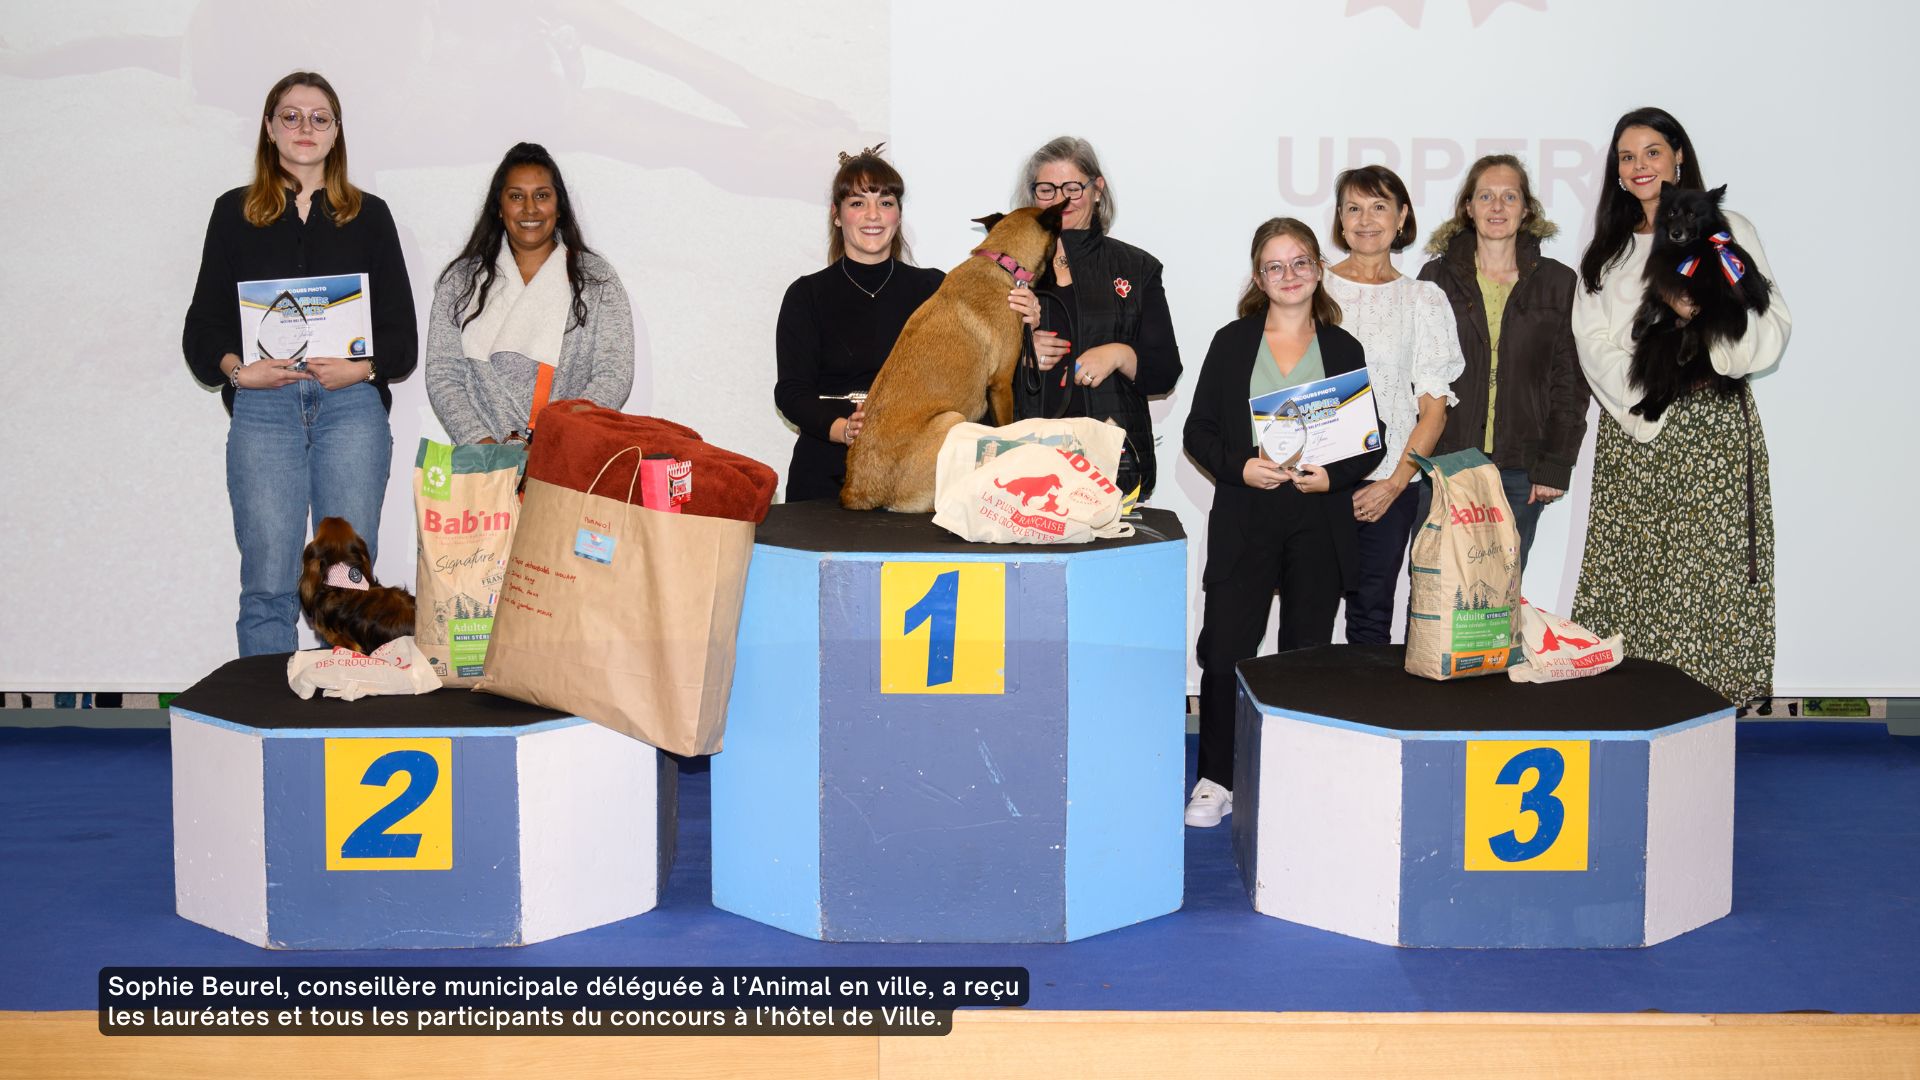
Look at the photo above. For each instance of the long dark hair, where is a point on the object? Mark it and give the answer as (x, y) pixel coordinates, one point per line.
(1253, 300)
(1619, 212)
(489, 232)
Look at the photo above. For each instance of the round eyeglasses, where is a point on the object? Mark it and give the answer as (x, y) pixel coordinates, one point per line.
(319, 119)
(1072, 189)
(1300, 267)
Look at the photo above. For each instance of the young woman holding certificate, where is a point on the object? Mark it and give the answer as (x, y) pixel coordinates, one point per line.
(1271, 527)
(1679, 554)
(526, 313)
(309, 437)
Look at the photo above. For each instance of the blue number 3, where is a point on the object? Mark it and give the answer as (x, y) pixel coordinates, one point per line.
(371, 840)
(1549, 812)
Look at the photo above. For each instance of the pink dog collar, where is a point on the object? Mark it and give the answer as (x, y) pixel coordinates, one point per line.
(342, 576)
(1021, 275)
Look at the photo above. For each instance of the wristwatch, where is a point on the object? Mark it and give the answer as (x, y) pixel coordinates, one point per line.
(372, 371)
(234, 375)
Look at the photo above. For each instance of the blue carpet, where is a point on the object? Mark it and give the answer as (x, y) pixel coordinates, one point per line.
(1826, 909)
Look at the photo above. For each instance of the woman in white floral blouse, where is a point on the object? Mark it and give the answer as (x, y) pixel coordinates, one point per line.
(1413, 356)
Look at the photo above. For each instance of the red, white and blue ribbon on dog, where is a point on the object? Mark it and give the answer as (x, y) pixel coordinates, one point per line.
(1730, 263)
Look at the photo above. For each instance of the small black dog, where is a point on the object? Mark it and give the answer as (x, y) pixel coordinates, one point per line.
(1696, 258)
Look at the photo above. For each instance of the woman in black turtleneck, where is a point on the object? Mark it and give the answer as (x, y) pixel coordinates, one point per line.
(837, 325)
(1120, 350)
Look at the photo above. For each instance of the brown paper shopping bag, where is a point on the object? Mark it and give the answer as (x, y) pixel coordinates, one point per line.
(621, 614)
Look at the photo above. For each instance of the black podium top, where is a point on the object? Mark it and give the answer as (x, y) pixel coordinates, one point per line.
(1369, 684)
(822, 525)
(253, 691)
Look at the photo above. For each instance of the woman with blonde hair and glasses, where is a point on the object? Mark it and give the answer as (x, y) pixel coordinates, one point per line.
(1270, 527)
(309, 438)
(1121, 350)
(1523, 401)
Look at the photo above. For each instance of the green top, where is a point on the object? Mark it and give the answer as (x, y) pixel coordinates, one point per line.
(1267, 378)
(1494, 295)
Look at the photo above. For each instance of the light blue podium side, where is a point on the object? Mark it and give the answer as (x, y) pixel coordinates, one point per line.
(1046, 807)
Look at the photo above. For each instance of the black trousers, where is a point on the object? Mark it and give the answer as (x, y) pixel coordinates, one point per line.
(1382, 550)
(1297, 558)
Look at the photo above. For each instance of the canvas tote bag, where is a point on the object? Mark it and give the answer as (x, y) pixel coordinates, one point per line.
(620, 614)
(1035, 482)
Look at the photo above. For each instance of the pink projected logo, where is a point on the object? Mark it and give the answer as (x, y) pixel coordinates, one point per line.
(1411, 10)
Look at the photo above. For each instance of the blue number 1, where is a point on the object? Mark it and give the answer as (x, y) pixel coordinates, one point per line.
(941, 607)
(371, 840)
(1549, 813)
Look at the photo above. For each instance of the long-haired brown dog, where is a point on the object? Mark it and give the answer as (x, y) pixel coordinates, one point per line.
(344, 604)
(957, 352)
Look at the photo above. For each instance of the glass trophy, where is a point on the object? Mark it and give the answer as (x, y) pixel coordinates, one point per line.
(1283, 434)
(283, 332)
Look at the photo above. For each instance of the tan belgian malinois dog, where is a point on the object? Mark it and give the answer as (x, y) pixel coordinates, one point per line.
(960, 349)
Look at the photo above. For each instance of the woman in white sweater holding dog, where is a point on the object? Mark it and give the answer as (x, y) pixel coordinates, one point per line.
(1679, 554)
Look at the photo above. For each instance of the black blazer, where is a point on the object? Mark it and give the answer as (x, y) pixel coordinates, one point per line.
(1216, 437)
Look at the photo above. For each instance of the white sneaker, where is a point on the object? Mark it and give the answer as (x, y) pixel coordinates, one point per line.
(1210, 803)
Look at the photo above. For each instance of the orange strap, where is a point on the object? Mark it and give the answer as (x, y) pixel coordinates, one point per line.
(542, 389)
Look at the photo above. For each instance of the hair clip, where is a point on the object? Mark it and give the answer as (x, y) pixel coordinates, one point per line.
(871, 151)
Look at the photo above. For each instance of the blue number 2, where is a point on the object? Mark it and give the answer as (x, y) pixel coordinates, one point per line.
(1549, 813)
(941, 607)
(371, 840)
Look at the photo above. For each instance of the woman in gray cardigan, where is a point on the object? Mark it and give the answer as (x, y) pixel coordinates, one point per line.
(503, 312)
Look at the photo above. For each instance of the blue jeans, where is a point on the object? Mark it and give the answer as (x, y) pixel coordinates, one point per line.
(1380, 550)
(1526, 518)
(291, 450)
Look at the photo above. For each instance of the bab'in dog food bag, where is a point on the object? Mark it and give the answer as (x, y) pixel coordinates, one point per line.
(465, 508)
(1466, 572)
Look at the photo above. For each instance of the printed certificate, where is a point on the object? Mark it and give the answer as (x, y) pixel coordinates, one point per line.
(294, 318)
(1320, 422)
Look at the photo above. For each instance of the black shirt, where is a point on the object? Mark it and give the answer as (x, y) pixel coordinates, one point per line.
(831, 339)
(1118, 296)
(1059, 315)
(236, 251)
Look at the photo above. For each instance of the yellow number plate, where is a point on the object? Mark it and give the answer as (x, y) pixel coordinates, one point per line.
(389, 804)
(1527, 805)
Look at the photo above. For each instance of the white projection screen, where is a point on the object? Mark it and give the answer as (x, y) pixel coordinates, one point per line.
(698, 141)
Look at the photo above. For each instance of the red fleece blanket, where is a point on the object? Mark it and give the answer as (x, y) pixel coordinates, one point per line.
(576, 438)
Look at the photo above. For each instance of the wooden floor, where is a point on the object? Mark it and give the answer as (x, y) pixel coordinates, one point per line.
(56, 1045)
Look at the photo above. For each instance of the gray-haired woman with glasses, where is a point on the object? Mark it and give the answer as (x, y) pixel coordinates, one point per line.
(1103, 338)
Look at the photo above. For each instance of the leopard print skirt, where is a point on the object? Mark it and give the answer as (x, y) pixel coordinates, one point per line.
(1669, 562)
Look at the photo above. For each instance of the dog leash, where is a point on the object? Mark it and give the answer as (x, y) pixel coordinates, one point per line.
(1029, 363)
(1031, 376)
